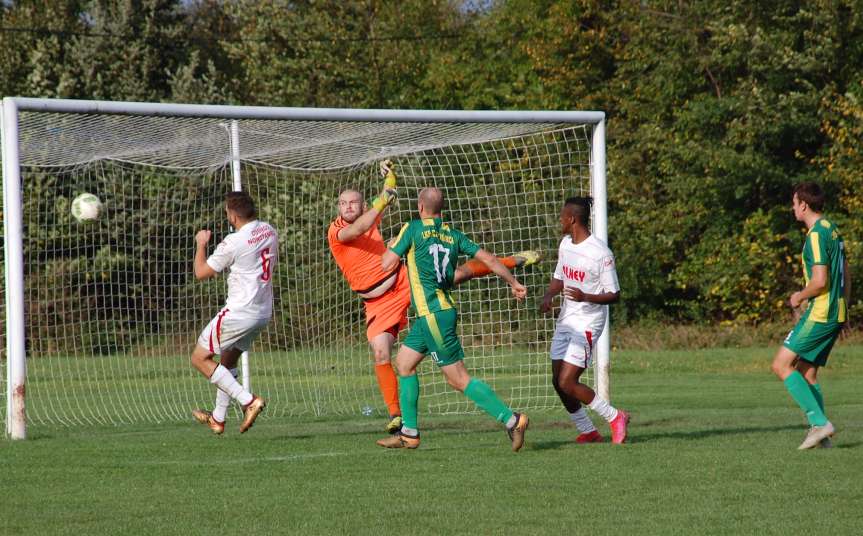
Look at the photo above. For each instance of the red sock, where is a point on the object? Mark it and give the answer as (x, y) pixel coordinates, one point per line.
(388, 383)
(479, 268)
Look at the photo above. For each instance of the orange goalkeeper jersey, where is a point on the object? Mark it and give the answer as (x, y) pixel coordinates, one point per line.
(360, 259)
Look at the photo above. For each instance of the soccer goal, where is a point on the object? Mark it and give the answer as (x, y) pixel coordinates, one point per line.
(100, 317)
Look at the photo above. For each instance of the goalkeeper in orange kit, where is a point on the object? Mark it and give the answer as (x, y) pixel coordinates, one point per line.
(357, 247)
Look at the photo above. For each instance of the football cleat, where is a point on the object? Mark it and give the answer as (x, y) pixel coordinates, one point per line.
(826, 443)
(399, 441)
(815, 435)
(251, 412)
(516, 433)
(589, 437)
(526, 258)
(205, 417)
(618, 427)
(394, 425)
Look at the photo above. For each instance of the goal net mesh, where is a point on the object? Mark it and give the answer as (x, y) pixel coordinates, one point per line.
(113, 310)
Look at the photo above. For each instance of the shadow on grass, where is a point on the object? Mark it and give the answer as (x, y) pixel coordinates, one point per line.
(638, 437)
(635, 436)
(551, 445)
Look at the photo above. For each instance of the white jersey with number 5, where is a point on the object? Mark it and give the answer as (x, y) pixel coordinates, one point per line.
(588, 266)
(251, 253)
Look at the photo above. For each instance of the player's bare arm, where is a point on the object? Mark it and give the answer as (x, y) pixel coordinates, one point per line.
(202, 269)
(555, 286)
(351, 202)
(389, 261)
(603, 298)
(816, 286)
(360, 226)
(518, 290)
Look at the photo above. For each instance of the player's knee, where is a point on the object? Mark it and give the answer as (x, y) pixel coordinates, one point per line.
(779, 368)
(565, 380)
(458, 383)
(565, 387)
(404, 369)
(382, 356)
(555, 382)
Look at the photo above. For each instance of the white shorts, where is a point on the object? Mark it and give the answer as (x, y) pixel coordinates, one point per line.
(574, 347)
(225, 331)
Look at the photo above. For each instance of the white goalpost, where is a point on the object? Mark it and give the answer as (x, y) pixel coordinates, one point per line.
(100, 318)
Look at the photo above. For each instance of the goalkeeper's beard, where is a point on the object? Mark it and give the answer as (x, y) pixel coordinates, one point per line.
(352, 217)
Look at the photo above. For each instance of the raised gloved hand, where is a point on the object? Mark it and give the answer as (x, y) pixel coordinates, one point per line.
(389, 192)
(388, 172)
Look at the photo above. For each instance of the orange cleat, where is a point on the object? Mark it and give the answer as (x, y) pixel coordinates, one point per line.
(205, 417)
(251, 412)
(399, 441)
(516, 433)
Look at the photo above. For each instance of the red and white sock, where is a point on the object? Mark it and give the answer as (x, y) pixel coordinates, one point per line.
(223, 401)
(582, 421)
(227, 383)
(603, 408)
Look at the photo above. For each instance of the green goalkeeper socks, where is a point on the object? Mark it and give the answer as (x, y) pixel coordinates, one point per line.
(409, 396)
(483, 396)
(802, 394)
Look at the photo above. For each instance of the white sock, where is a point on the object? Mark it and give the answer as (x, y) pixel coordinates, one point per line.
(230, 385)
(603, 408)
(582, 421)
(223, 401)
(410, 432)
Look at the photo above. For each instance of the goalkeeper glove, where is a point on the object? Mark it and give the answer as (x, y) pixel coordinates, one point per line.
(388, 172)
(381, 201)
(389, 193)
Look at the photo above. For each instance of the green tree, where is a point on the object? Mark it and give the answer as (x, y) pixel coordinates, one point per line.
(33, 46)
(718, 117)
(129, 48)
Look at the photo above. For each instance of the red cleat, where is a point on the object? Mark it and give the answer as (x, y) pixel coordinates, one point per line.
(618, 427)
(589, 437)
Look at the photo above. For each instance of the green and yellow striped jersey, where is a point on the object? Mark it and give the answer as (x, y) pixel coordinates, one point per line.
(431, 248)
(824, 245)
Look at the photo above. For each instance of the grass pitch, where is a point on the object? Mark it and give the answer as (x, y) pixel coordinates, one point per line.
(713, 451)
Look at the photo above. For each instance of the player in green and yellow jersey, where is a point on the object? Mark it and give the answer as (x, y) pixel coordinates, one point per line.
(432, 249)
(828, 288)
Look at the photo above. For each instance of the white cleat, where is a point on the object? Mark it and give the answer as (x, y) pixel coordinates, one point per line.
(816, 434)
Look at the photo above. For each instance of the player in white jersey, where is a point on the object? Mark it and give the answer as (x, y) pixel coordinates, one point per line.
(250, 252)
(585, 274)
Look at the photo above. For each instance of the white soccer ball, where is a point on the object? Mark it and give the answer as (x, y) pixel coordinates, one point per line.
(86, 207)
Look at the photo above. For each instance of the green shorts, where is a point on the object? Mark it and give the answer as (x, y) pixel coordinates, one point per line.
(812, 341)
(436, 335)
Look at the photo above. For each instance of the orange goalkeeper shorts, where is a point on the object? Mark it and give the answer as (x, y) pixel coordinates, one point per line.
(389, 311)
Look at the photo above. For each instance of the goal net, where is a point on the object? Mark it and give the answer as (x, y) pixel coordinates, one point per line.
(112, 310)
